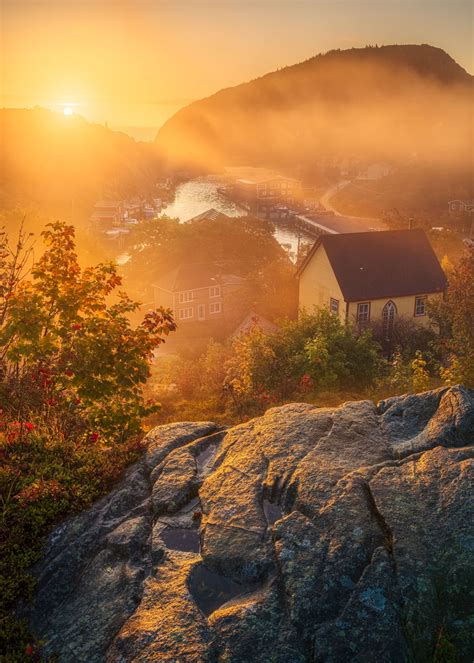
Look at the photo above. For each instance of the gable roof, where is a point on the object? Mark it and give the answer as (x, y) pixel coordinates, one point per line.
(251, 320)
(375, 265)
(210, 214)
(194, 276)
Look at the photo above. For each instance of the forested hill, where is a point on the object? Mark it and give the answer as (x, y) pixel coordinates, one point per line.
(52, 160)
(391, 103)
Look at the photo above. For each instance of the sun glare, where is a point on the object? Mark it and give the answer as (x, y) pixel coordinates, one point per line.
(68, 110)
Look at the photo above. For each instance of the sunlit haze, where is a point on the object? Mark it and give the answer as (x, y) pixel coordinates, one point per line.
(134, 64)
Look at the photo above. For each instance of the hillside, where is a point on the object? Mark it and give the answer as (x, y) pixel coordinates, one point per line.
(52, 160)
(416, 189)
(308, 534)
(391, 103)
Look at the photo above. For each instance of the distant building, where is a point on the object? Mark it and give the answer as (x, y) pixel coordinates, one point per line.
(251, 321)
(375, 171)
(132, 208)
(107, 213)
(197, 293)
(164, 183)
(264, 189)
(209, 215)
(372, 276)
(459, 207)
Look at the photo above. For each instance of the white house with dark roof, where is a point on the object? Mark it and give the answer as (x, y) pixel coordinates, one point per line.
(372, 276)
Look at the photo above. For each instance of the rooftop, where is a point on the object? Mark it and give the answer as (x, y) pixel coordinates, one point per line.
(210, 214)
(375, 265)
(193, 276)
(108, 204)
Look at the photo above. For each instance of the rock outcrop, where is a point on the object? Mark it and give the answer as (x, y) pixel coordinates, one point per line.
(308, 534)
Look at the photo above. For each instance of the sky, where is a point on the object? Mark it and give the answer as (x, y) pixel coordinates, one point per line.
(134, 63)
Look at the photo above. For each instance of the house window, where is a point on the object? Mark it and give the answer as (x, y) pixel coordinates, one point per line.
(187, 296)
(201, 312)
(363, 313)
(388, 318)
(215, 307)
(420, 306)
(334, 305)
(185, 313)
(215, 291)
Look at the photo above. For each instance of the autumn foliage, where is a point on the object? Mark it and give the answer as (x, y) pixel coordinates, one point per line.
(72, 371)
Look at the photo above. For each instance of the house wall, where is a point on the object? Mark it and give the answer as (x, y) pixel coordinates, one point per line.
(405, 308)
(278, 188)
(200, 297)
(317, 284)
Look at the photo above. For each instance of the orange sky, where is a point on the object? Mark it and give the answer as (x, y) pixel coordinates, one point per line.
(136, 63)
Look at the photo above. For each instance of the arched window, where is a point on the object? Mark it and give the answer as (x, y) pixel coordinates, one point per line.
(388, 318)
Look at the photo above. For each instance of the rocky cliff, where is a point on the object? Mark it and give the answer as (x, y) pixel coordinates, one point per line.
(308, 534)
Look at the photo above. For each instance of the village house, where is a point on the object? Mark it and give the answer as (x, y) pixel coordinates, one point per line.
(458, 207)
(211, 214)
(197, 293)
(265, 189)
(372, 276)
(107, 213)
(375, 171)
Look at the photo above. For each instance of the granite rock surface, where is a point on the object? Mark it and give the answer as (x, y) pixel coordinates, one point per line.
(305, 535)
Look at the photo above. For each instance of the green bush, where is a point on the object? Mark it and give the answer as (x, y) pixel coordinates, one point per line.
(317, 352)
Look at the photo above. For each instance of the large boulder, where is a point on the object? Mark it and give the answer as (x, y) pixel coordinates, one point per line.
(308, 534)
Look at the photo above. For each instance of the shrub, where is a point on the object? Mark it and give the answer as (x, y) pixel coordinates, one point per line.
(316, 352)
(72, 372)
(455, 319)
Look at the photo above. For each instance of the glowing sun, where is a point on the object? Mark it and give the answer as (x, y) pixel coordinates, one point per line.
(68, 110)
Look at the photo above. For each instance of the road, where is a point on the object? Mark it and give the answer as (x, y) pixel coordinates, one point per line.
(342, 223)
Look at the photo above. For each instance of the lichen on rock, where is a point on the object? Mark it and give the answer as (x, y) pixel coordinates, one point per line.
(307, 534)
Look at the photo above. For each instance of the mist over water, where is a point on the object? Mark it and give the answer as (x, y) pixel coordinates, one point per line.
(201, 194)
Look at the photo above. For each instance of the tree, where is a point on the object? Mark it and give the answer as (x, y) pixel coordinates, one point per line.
(67, 349)
(405, 337)
(244, 246)
(72, 372)
(455, 319)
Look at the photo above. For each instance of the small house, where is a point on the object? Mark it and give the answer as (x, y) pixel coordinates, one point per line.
(197, 293)
(458, 207)
(107, 213)
(372, 276)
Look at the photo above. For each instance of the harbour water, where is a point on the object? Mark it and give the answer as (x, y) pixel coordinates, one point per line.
(198, 195)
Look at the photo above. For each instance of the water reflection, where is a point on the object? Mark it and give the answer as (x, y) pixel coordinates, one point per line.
(199, 195)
